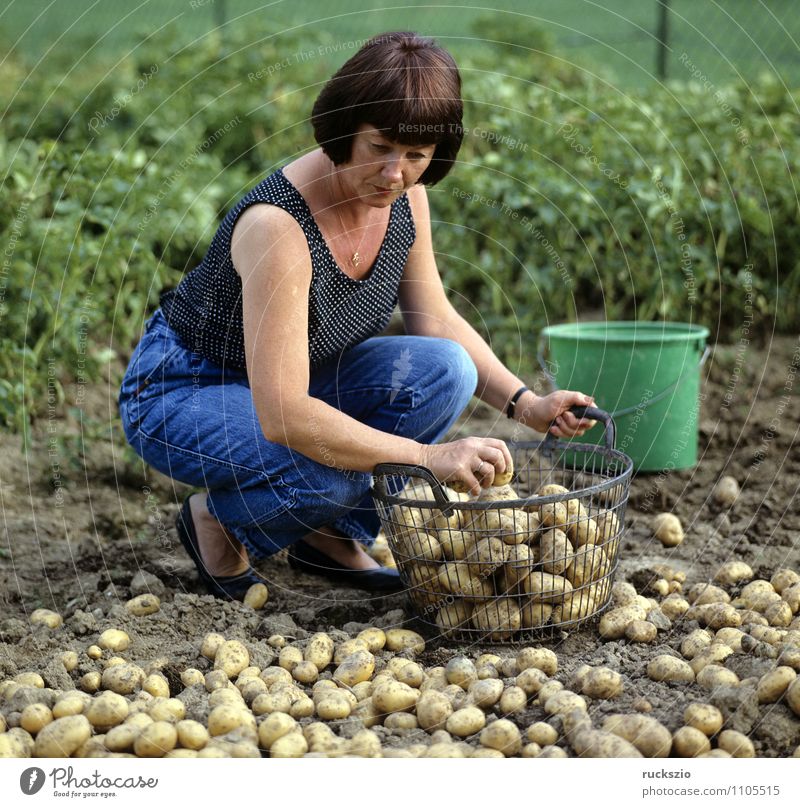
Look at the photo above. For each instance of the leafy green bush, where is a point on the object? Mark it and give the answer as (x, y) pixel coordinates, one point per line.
(570, 199)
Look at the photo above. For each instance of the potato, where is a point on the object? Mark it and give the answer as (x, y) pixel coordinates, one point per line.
(554, 515)
(514, 699)
(614, 622)
(690, 742)
(485, 693)
(594, 743)
(356, 668)
(399, 639)
(499, 619)
(107, 710)
(783, 579)
(534, 614)
(704, 593)
(715, 615)
(557, 552)
(674, 606)
(588, 563)
(43, 616)
(717, 651)
(575, 605)
(34, 717)
(454, 616)
(704, 717)
(697, 641)
(71, 704)
(156, 685)
(191, 734)
(394, 696)
(289, 746)
(546, 587)
(669, 668)
(540, 658)
(433, 710)
(562, 702)
(736, 744)
(791, 595)
(334, 706)
(143, 605)
(115, 640)
(458, 579)
(726, 491)
(668, 529)
(460, 671)
(231, 657)
(773, 684)
(121, 738)
(256, 596)
(714, 676)
(779, 614)
(641, 631)
(91, 681)
(649, 737)
(602, 683)
(541, 733)
(608, 527)
(456, 544)
(466, 721)
(289, 657)
(319, 650)
(124, 679)
(211, 643)
(62, 737)
(503, 736)
(225, 718)
(531, 681)
(733, 572)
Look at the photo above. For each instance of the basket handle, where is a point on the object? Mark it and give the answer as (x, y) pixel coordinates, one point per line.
(593, 413)
(384, 469)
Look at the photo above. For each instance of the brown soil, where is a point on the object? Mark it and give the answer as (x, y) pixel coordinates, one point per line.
(85, 526)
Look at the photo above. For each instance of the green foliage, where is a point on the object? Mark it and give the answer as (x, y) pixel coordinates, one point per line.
(570, 199)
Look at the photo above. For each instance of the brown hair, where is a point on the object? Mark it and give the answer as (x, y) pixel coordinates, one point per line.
(404, 85)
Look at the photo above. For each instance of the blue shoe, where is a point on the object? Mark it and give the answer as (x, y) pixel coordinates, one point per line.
(227, 588)
(305, 558)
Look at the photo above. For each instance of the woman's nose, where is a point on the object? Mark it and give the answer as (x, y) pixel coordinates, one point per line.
(392, 170)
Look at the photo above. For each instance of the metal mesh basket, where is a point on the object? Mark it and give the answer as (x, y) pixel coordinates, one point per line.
(511, 563)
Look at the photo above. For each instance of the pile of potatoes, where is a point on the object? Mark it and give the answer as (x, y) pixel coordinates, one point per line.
(320, 698)
(491, 573)
(369, 695)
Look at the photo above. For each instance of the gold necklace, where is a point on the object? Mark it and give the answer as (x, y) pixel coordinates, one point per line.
(356, 258)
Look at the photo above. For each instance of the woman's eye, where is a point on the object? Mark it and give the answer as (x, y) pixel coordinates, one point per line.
(379, 147)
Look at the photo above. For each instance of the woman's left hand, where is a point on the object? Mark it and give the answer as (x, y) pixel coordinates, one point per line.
(551, 412)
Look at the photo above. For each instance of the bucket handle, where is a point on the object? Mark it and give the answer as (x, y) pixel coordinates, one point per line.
(629, 409)
(593, 413)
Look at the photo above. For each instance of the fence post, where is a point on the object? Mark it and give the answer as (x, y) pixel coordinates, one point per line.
(662, 39)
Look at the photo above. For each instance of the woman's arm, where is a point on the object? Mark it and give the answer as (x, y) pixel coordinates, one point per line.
(276, 276)
(427, 312)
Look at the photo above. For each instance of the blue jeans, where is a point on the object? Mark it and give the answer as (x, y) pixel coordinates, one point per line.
(195, 421)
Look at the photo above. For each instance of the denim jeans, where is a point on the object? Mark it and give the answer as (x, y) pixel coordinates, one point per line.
(196, 422)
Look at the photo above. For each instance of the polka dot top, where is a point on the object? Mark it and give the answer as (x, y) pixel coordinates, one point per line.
(205, 309)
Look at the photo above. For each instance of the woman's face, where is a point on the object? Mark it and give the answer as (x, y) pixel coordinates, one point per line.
(379, 169)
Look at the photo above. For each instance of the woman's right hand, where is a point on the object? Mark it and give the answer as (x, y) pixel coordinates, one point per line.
(471, 460)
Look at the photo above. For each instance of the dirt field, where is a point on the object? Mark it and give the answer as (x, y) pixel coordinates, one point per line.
(84, 531)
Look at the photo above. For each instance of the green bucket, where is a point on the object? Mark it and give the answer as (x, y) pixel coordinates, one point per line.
(645, 374)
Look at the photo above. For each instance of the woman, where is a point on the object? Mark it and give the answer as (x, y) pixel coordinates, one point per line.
(261, 379)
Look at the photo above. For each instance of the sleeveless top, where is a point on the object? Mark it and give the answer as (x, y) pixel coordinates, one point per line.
(205, 309)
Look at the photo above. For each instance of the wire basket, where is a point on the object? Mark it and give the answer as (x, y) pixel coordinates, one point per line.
(519, 560)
